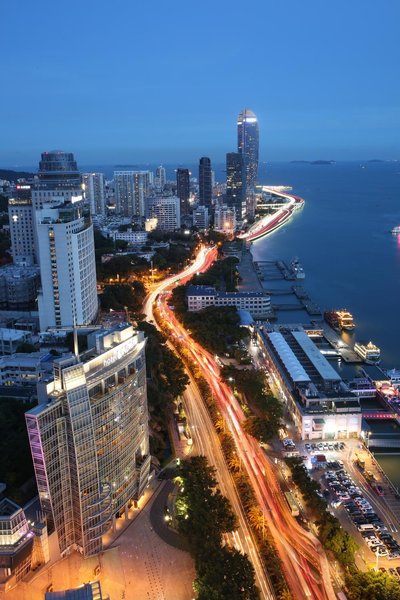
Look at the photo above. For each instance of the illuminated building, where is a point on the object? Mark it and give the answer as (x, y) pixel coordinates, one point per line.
(205, 182)
(88, 591)
(248, 147)
(68, 295)
(131, 189)
(183, 189)
(235, 197)
(22, 546)
(258, 304)
(225, 219)
(94, 188)
(321, 404)
(201, 217)
(166, 209)
(89, 437)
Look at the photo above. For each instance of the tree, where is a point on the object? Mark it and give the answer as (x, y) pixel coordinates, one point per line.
(372, 585)
(25, 347)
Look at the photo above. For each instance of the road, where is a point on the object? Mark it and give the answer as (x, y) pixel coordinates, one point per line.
(205, 438)
(304, 561)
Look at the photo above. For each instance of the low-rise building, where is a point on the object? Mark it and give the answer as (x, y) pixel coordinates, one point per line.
(132, 237)
(22, 546)
(321, 404)
(201, 217)
(167, 211)
(258, 304)
(10, 339)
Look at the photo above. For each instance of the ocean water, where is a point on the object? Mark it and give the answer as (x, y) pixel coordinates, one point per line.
(342, 238)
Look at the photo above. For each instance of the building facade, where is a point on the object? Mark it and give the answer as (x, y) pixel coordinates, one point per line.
(94, 189)
(19, 286)
(225, 219)
(205, 182)
(322, 405)
(183, 189)
(68, 294)
(235, 196)
(131, 190)
(20, 213)
(201, 217)
(166, 209)
(160, 178)
(198, 297)
(248, 148)
(89, 438)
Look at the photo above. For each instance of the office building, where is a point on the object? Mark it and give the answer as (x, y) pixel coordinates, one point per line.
(131, 189)
(321, 404)
(205, 182)
(58, 169)
(235, 197)
(201, 217)
(89, 437)
(248, 147)
(183, 189)
(68, 295)
(94, 189)
(166, 209)
(20, 213)
(225, 219)
(160, 179)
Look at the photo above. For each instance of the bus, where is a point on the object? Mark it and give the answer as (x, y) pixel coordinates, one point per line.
(292, 504)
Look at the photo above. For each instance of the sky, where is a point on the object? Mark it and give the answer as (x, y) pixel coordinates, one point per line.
(127, 81)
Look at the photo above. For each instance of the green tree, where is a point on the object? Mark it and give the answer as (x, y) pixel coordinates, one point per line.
(372, 585)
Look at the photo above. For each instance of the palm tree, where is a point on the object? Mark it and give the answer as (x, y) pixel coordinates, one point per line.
(234, 462)
(257, 519)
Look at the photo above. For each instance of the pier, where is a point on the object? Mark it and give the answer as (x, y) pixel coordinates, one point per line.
(336, 342)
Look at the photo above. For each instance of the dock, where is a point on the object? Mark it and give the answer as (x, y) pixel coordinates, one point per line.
(336, 342)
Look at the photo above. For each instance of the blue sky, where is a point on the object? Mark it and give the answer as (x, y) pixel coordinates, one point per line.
(134, 81)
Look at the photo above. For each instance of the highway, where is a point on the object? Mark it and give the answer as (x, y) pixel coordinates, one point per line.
(304, 561)
(204, 436)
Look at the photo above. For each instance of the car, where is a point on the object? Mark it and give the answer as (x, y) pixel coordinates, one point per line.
(393, 572)
(330, 447)
(382, 569)
(336, 446)
(342, 446)
(320, 446)
(313, 446)
(307, 447)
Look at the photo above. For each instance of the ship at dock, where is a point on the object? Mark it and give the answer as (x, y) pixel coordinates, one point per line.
(341, 320)
(370, 353)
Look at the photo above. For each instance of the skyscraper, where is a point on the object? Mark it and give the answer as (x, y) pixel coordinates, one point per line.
(235, 197)
(160, 179)
(183, 189)
(68, 295)
(89, 437)
(58, 168)
(94, 189)
(205, 182)
(131, 189)
(248, 143)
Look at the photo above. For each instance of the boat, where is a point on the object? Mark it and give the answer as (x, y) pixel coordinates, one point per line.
(396, 230)
(296, 269)
(370, 353)
(340, 319)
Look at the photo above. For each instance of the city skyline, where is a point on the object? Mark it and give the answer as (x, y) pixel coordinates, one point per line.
(314, 97)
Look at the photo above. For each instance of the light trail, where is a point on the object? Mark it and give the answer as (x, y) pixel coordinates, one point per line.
(304, 561)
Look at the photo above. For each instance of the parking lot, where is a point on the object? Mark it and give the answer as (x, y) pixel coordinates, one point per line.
(357, 503)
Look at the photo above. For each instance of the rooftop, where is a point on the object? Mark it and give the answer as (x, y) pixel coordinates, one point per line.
(286, 354)
(326, 371)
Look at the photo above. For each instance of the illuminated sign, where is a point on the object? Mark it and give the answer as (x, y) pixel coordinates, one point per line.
(120, 352)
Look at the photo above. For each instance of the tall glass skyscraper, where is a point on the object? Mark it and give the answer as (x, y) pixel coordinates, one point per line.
(248, 147)
(183, 189)
(205, 182)
(235, 197)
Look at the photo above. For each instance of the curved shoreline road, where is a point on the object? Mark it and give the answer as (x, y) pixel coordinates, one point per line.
(205, 437)
(270, 223)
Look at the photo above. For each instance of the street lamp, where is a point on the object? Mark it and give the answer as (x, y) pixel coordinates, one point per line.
(232, 379)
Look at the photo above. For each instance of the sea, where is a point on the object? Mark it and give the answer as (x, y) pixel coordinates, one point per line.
(342, 238)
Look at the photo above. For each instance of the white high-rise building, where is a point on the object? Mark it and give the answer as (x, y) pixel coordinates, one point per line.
(166, 209)
(225, 219)
(68, 295)
(89, 438)
(94, 188)
(20, 213)
(131, 189)
(200, 217)
(160, 179)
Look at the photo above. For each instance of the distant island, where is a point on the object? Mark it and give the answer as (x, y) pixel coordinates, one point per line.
(9, 175)
(313, 162)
